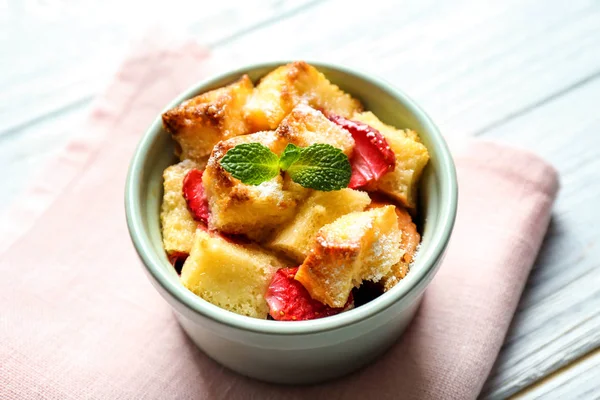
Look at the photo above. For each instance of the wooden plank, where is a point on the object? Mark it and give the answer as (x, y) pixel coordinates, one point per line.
(579, 380)
(63, 58)
(469, 64)
(83, 55)
(558, 319)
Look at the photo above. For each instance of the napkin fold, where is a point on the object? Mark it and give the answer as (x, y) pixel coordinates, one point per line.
(78, 318)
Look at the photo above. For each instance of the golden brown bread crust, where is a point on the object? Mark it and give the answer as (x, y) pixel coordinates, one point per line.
(177, 224)
(305, 126)
(222, 178)
(329, 263)
(357, 246)
(233, 276)
(287, 86)
(237, 208)
(410, 236)
(295, 238)
(408, 244)
(201, 122)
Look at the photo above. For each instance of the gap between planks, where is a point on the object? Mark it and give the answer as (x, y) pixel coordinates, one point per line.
(265, 23)
(85, 97)
(554, 379)
(557, 321)
(528, 108)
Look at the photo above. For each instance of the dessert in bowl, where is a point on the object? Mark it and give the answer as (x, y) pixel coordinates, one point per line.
(295, 195)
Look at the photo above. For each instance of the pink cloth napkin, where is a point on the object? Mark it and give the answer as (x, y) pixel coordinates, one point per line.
(80, 320)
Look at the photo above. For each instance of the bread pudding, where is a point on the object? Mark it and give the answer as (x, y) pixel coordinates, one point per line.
(289, 199)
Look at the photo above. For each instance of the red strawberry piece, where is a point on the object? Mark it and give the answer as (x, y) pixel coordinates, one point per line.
(193, 193)
(372, 156)
(202, 227)
(288, 300)
(177, 259)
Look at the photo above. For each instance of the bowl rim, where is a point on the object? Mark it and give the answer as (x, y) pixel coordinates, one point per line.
(426, 263)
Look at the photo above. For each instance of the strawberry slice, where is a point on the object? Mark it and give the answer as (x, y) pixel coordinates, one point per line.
(288, 300)
(177, 259)
(372, 156)
(193, 193)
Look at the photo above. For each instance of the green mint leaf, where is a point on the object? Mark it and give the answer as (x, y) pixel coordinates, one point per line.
(251, 163)
(290, 155)
(321, 167)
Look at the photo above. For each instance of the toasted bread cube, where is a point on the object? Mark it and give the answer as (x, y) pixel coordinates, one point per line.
(201, 122)
(232, 276)
(305, 126)
(237, 208)
(178, 225)
(355, 247)
(295, 239)
(386, 130)
(409, 245)
(289, 85)
(411, 158)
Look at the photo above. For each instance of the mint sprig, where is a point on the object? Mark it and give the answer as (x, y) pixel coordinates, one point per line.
(319, 166)
(251, 163)
(290, 155)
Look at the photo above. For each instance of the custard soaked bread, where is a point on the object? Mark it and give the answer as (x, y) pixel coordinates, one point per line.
(289, 85)
(289, 198)
(178, 225)
(295, 239)
(252, 210)
(232, 276)
(198, 124)
(356, 247)
(239, 208)
(408, 244)
(305, 126)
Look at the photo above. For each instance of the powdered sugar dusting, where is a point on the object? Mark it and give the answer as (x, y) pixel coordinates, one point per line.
(415, 255)
(270, 188)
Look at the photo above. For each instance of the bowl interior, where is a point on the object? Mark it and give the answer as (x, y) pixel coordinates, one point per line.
(437, 209)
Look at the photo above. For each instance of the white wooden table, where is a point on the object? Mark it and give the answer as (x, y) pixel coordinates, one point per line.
(524, 72)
